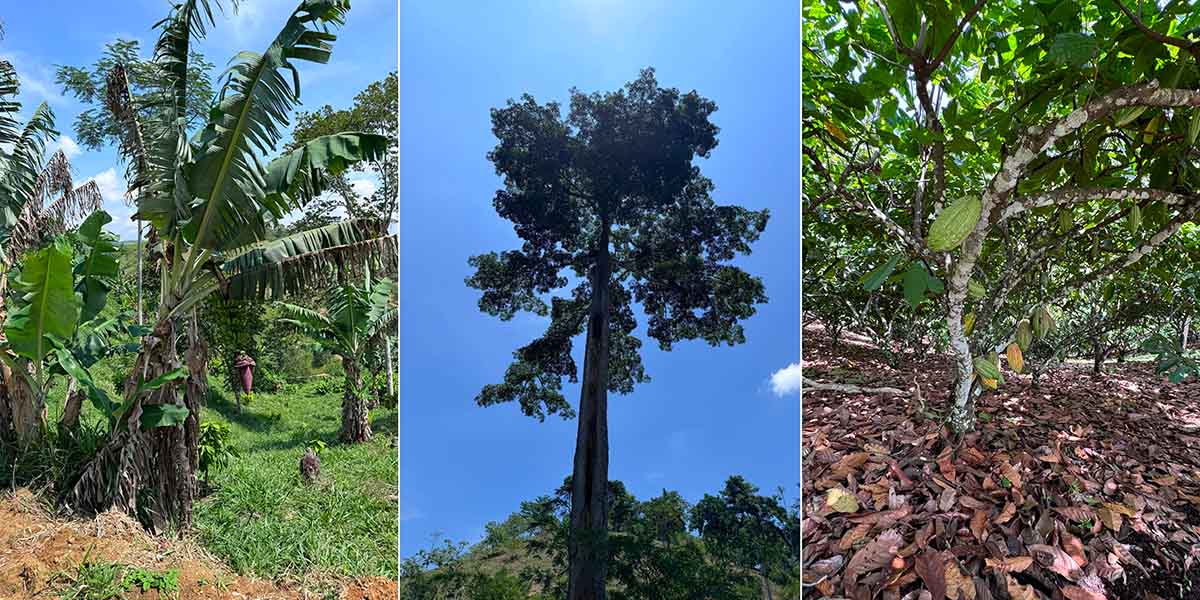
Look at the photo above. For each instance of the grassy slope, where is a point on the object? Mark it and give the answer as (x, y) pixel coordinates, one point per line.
(262, 520)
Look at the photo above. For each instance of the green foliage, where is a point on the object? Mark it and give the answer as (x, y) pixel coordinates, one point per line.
(661, 548)
(374, 111)
(215, 447)
(94, 580)
(347, 526)
(95, 127)
(618, 165)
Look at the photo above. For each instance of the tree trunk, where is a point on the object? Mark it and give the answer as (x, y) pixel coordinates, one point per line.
(72, 407)
(146, 473)
(22, 413)
(196, 393)
(387, 352)
(588, 540)
(26, 410)
(1183, 339)
(139, 272)
(962, 417)
(355, 425)
(1097, 356)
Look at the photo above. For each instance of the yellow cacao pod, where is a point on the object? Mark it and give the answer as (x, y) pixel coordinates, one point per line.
(1016, 361)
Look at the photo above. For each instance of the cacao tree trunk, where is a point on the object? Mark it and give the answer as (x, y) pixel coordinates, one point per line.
(72, 407)
(588, 539)
(356, 427)
(962, 415)
(1097, 356)
(1187, 325)
(146, 473)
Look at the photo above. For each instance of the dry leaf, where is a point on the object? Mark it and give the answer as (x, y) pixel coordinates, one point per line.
(877, 554)
(1111, 518)
(1010, 510)
(931, 567)
(958, 587)
(979, 524)
(839, 500)
(853, 536)
(1016, 591)
(1055, 559)
(1012, 564)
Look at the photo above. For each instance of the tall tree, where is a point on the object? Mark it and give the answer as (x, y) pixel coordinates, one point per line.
(375, 110)
(609, 194)
(210, 200)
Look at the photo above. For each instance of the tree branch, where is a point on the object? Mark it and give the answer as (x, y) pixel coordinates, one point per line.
(1068, 196)
(1188, 45)
(962, 24)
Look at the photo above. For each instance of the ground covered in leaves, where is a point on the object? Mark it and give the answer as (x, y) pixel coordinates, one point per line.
(43, 556)
(1084, 488)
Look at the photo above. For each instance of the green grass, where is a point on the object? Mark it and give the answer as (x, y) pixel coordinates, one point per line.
(260, 518)
(263, 520)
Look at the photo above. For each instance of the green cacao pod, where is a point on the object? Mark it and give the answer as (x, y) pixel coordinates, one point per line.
(1066, 220)
(1043, 321)
(969, 323)
(951, 227)
(987, 369)
(1193, 127)
(1133, 220)
(976, 289)
(1024, 334)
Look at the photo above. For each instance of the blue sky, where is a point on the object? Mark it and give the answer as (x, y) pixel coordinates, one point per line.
(709, 412)
(40, 35)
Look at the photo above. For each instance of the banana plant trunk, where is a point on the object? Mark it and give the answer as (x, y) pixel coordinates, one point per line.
(196, 393)
(588, 540)
(72, 407)
(356, 427)
(146, 473)
(22, 411)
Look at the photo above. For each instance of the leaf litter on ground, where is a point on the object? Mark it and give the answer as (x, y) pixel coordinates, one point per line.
(1084, 487)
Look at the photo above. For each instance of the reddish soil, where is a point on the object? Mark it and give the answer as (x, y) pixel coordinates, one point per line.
(39, 552)
(1085, 488)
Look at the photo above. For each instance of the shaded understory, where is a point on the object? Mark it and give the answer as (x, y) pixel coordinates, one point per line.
(1087, 487)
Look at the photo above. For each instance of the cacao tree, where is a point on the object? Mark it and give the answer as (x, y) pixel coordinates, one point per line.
(209, 198)
(996, 142)
(609, 195)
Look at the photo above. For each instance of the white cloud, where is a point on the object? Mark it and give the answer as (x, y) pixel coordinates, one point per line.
(786, 380)
(36, 82)
(66, 144)
(364, 187)
(112, 190)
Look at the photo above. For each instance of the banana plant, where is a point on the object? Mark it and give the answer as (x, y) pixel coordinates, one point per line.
(355, 319)
(209, 198)
(38, 201)
(55, 327)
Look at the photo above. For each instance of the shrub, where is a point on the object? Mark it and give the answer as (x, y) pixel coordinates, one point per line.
(215, 446)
